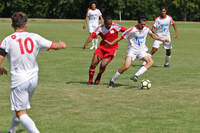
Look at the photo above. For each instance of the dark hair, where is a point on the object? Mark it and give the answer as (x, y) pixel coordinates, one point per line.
(92, 2)
(19, 19)
(141, 18)
(162, 7)
(106, 18)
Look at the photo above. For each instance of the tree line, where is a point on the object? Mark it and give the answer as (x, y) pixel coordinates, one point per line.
(182, 10)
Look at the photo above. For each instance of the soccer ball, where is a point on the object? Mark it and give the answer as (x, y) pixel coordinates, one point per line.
(145, 84)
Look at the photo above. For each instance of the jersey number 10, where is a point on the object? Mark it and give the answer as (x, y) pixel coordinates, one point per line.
(25, 44)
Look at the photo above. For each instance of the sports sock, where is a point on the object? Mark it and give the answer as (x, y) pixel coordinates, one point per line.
(28, 124)
(117, 74)
(101, 70)
(141, 71)
(167, 58)
(14, 123)
(93, 42)
(144, 63)
(96, 43)
(91, 74)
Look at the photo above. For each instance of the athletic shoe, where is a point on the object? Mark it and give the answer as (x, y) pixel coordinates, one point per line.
(167, 66)
(91, 48)
(97, 80)
(111, 84)
(134, 78)
(90, 83)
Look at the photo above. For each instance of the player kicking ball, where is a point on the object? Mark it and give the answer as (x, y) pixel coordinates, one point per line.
(136, 49)
(104, 53)
(21, 49)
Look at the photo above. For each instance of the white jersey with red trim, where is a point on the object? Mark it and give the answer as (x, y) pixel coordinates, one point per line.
(93, 17)
(136, 37)
(22, 49)
(162, 25)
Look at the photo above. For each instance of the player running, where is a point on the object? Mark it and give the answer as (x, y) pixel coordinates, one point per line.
(136, 48)
(21, 49)
(104, 53)
(161, 28)
(92, 17)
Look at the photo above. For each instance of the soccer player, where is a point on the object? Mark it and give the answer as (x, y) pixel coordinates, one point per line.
(104, 53)
(92, 17)
(136, 48)
(21, 49)
(161, 28)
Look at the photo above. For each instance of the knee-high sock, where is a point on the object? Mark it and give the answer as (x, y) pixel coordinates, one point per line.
(167, 58)
(117, 74)
(96, 43)
(14, 123)
(101, 70)
(141, 71)
(28, 124)
(93, 42)
(91, 74)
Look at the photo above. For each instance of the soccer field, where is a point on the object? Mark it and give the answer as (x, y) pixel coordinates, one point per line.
(64, 103)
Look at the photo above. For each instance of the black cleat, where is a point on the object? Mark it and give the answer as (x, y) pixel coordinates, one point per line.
(111, 84)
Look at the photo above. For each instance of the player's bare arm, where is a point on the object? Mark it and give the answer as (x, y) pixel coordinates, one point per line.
(153, 29)
(58, 45)
(175, 29)
(87, 42)
(85, 22)
(154, 36)
(114, 42)
(102, 20)
(2, 69)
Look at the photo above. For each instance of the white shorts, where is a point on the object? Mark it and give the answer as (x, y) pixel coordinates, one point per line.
(20, 96)
(136, 53)
(166, 45)
(92, 28)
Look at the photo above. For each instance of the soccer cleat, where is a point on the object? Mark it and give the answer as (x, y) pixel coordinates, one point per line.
(89, 83)
(91, 48)
(97, 80)
(167, 66)
(111, 84)
(134, 78)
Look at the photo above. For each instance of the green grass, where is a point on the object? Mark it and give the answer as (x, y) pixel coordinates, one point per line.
(63, 103)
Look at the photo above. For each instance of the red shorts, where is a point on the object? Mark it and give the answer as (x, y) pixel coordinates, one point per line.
(102, 52)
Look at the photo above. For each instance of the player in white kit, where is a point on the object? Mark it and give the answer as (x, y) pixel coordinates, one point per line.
(161, 28)
(136, 48)
(21, 49)
(92, 18)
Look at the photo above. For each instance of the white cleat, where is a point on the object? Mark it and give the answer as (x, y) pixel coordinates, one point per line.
(92, 48)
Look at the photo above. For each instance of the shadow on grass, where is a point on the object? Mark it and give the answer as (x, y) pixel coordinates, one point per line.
(134, 65)
(116, 85)
(18, 131)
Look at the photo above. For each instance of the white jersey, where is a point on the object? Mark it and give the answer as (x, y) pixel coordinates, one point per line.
(162, 25)
(136, 37)
(93, 17)
(22, 49)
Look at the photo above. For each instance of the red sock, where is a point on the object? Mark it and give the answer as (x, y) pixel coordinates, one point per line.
(101, 70)
(91, 74)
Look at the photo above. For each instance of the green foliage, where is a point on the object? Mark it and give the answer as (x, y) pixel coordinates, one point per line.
(76, 9)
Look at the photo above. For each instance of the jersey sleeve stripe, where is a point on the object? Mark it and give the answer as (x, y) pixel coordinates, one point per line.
(171, 19)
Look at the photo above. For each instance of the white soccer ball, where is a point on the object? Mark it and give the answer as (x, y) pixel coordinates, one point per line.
(145, 84)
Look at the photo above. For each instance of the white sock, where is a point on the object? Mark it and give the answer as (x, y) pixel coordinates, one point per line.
(14, 123)
(167, 58)
(96, 43)
(28, 124)
(93, 43)
(117, 74)
(141, 71)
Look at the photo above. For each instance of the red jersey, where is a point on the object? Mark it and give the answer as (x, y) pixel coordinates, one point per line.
(108, 34)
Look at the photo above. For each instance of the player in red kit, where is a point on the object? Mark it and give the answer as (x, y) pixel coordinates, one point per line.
(105, 52)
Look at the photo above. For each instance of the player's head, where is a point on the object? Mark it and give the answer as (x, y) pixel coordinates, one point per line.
(93, 5)
(141, 21)
(163, 11)
(108, 22)
(19, 20)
